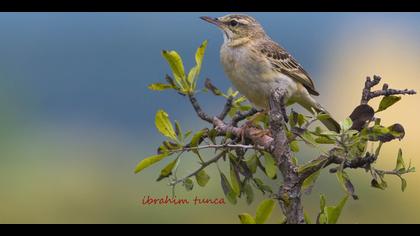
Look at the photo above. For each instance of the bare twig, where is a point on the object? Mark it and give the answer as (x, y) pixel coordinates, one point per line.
(242, 116)
(226, 108)
(360, 162)
(202, 167)
(368, 95)
(198, 109)
(217, 146)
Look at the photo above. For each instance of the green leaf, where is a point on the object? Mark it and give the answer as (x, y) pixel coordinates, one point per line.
(309, 182)
(195, 141)
(333, 213)
(387, 102)
(294, 146)
(346, 184)
(308, 138)
(188, 184)
(262, 187)
(330, 134)
(295, 161)
(249, 192)
(177, 67)
(178, 131)
(270, 165)
(149, 161)
(187, 134)
(307, 218)
(375, 184)
(403, 184)
(164, 125)
(323, 116)
(400, 166)
(301, 119)
(196, 138)
(227, 189)
(324, 140)
(247, 219)
(322, 219)
(312, 164)
(234, 178)
(202, 178)
(167, 171)
(160, 87)
(322, 202)
(209, 85)
(195, 71)
(346, 124)
(264, 210)
(293, 119)
(252, 163)
(170, 146)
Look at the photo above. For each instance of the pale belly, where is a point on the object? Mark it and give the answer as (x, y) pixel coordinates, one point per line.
(254, 78)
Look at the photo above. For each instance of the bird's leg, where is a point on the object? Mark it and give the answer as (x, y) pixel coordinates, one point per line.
(251, 122)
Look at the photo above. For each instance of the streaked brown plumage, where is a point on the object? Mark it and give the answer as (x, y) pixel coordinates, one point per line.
(256, 65)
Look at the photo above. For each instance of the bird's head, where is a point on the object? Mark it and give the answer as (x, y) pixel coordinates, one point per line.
(236, 27)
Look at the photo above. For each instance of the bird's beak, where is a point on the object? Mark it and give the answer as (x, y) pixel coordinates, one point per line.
(212, 20)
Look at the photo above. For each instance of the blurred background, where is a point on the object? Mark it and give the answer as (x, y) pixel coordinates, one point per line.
(76, 114)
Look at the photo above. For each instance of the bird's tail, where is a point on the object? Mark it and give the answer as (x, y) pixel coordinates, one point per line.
(329, 122)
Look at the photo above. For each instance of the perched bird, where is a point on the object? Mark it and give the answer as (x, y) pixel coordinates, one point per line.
(256, 65)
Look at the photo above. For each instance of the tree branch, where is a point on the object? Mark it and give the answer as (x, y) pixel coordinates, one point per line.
(203, 166)
(250, 133)
(363, 162)
(360, 162)
(217, 146)
(242, 116)
(226, 109)
(368, 95)
(198, 109)
(290, 192)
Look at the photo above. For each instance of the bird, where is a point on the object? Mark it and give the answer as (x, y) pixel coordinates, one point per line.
(255, 64)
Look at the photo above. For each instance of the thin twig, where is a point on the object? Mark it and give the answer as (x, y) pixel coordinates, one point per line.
(368, 95)
(217, 146)
(198, 109)
(242, 116)
(203, 166)
(226, 109)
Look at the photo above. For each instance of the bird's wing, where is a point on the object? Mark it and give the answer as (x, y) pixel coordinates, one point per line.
(284, 63)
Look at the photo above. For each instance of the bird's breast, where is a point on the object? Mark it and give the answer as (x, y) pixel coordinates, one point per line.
(252, 74)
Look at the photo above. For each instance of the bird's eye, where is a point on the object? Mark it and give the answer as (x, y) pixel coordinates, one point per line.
(233, 23)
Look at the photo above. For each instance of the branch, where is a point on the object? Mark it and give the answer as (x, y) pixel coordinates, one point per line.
(368, 95)
(360, 116)
(324, 161)
(242, 116)
(226, 109)
(198, 109)
(250, 133)
(203, 166)
(360, 162)
(217, 146)
(290, 192)
(392, 172)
